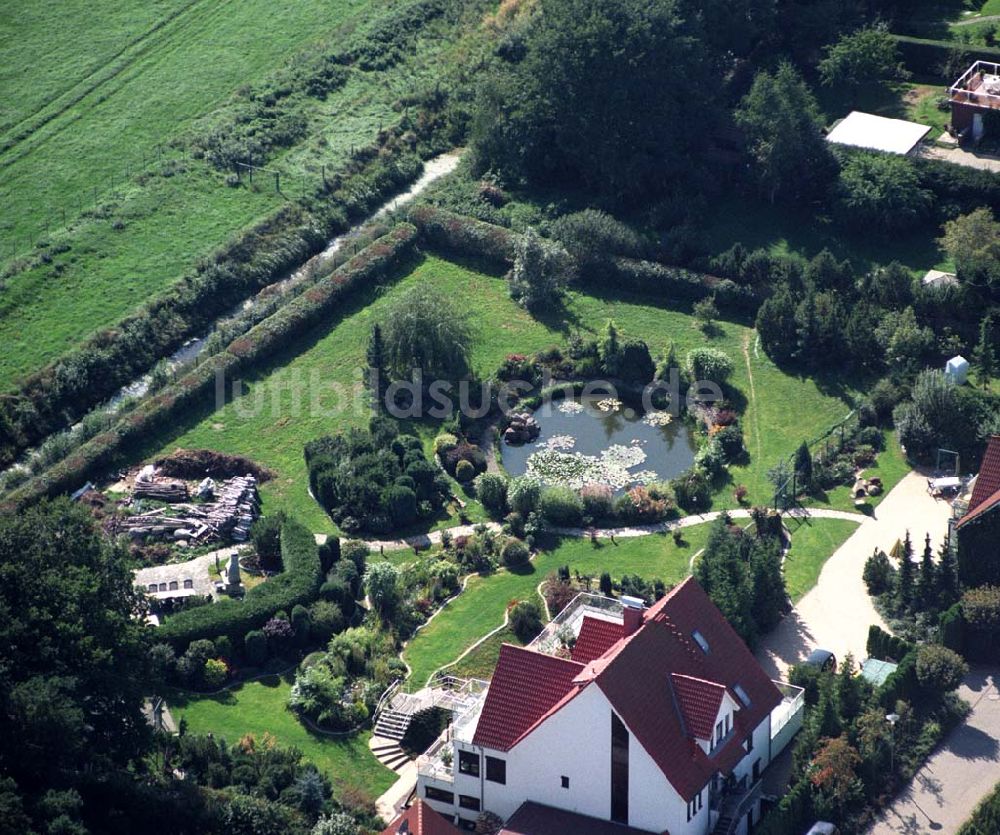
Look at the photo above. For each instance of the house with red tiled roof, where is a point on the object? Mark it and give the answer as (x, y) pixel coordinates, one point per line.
(420, 819)
(617, 720)
(977, 532)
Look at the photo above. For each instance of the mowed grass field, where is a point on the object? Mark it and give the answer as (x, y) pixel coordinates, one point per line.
(99, 95)
(314, 387)
(158, 226)
(261, 707)
(480, 608)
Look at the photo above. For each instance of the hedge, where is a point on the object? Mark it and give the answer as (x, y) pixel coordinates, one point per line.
(985, 819)
(886, 647)
(298, 584)
(464, 235)
(69, 387)
(957, 187)
(263, 340)
(901, 684)
(952, 628)
(468, 236)
(793, 814)
(925, 57)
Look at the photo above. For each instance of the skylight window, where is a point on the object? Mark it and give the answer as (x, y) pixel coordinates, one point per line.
(699, 639)
(744, 696)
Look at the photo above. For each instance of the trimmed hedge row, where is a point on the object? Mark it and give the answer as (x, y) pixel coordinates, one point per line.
(963, 188)
(924, 56)
(69, 387)
(468, 236)
(298, 584)
(886, 647)
(273, 333)
(464, 235)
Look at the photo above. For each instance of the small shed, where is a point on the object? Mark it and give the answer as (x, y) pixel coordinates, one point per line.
(957, 370)
(878, 133)
(877, 671)
(938, 278)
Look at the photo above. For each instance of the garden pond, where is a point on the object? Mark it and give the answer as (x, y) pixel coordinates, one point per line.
(597, 439)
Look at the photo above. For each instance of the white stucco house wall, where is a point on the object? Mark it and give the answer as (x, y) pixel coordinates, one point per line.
(656, 720)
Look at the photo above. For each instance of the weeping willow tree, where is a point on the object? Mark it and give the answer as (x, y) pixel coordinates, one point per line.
(422, 331)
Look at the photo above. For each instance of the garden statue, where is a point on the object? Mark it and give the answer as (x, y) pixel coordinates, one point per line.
(233, 585)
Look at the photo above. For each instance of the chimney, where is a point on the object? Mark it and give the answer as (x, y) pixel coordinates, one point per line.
(632, 614)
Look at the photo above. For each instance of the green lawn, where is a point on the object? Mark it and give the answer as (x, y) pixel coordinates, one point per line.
(158, 227)
(295, 398)
(813, 543)
(150, 77)
(480, 608)
(891, 467)
(260, 707)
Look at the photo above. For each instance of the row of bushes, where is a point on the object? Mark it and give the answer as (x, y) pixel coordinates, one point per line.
(884, 646)
(298, 584)
(289, 322)
(468, 236)
(926, 57)
(61, 393)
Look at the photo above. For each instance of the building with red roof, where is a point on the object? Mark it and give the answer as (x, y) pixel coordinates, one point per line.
(977, 532)
(420, 819)
(625, 718)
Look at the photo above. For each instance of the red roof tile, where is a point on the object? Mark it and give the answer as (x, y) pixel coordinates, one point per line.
(525, 688)
(596, 637)
(535, 819)
(699, 702)
(988, 480)
(635, 678)
(420, 819)
(981, 509)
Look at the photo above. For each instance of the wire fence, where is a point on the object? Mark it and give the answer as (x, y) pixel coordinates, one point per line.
(823, 447)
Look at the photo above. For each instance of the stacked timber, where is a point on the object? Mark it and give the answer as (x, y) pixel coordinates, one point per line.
(162, 490)
(228, 518)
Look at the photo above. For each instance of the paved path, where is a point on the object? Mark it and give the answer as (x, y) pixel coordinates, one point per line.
(961, 156)
(959, 774)
(837, 612)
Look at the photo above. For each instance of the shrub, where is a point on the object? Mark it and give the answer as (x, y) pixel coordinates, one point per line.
(730, 441)
(255, 647)
(523, 494)
(692, 489)
(325, 620)
(561, 506)
(597, 501)
(444, 442)
(711, 458)
(515, 553)
(301, 624)
(491, 490)
(709, 364)
(526, 620)
(215, 673)
(465, 471)
(266, 538)
(939, 669)
(637, 506)
(878, 573)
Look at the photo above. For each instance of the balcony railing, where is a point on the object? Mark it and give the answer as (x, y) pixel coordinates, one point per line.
(548, 640)
(969, 89)
(792, 704)
(431, 764)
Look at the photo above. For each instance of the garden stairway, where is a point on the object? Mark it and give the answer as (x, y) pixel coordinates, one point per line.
(395, 710)
(388, 752)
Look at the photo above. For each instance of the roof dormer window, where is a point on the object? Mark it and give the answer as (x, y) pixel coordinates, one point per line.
(699, 639)
(743, 695)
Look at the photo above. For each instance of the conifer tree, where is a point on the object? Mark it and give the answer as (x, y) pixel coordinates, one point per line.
(986, 356)
(904, 588)
(947, 577)
(928, 579)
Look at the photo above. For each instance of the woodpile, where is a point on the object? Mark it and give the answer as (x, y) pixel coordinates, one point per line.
(228, 518)
(161, 490)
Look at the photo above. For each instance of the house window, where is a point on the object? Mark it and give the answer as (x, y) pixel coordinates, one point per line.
(744, 696)
(496, 770)
(431, 793)
(468, 802)
(756, 771)
(694, 805)
(719, 733)
(619, 770)
(729, 722)
(699, 639)
(468, 763)
(565, 781)
(748, 743)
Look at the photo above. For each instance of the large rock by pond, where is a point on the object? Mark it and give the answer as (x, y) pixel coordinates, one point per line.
(522, 429)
